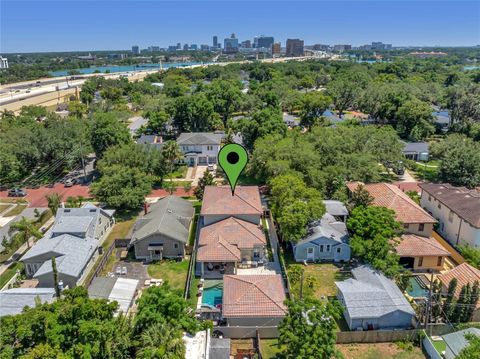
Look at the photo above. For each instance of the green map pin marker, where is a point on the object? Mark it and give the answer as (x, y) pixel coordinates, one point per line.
(232, 158)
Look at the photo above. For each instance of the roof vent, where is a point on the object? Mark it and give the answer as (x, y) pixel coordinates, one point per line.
(169, 210)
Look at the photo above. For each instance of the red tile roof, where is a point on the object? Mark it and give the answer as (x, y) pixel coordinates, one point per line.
(464, 202)
(390, 196)
(465, 273)
(408, 186)
(253, 296)
(223, 240)
(219, 201)
(411, 245)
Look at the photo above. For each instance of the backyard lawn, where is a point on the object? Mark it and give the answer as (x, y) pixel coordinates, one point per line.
(173, 272)
(379, 350)
(10, 272)
(270, 349)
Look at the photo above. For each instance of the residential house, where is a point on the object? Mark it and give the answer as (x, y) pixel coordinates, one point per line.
(416, 151)
(457, 341)
(253, 300)
(228, 242)
(13, 301)
(465, 274)
(372, 301)
(421, 253)
(155, 141)
(163, 231)
(114, 289)
(327, 239)
(219, 204)
(203, 346)
(73, 240)
(457, 210)
(415, 219)
(200, 148)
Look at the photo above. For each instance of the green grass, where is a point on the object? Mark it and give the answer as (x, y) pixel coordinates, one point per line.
(422, 172)
(379, 350)
(4, 207)
(15, 211)
(180, 172)
(173, 272)
(10, 272)
(14, 200)
(270, 349)
(192, 300)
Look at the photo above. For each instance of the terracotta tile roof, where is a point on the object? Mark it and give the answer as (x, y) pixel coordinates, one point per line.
(253, 296)
(465, 273)
(390, 196)
(408, 186)
(464, 202)
(223, 240)
(411, 245)
(219, 200)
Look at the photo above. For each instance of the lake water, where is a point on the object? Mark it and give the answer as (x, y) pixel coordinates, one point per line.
(125, 68)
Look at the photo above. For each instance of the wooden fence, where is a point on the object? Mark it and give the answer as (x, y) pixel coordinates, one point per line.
(191, 265)
(100, 265)
(457, 257)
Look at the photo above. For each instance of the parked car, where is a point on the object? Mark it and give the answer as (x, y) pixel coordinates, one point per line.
(17, 192)
(70, 182)
(210, 168)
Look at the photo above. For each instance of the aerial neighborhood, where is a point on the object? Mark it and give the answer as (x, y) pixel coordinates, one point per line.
(352, 229)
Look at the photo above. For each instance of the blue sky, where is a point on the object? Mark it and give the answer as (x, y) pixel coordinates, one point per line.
(68, 25)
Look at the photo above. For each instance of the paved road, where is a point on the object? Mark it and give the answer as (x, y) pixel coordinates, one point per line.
(37, 197)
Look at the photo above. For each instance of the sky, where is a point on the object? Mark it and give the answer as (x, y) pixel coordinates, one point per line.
(68, 25)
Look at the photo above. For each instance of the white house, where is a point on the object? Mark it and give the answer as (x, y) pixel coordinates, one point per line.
(200, 148)
(457, 210)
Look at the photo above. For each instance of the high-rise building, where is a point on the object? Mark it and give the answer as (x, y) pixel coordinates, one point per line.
(193, 47)
(340, 48)
(204, 47)
(154, 48)
(135, 50)
(230, 45)
(294, 47)
(320, 47)
(276, 48)
(179, 46)
(215, 41)
(3, 63)
(172, 48)
(263, 41)
(247, 44)
(185, 47)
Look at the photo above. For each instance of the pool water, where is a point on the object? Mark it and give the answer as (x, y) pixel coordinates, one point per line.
(417, 290)
(213, 295)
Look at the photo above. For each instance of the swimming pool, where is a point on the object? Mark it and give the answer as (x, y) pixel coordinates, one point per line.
(417, 289)
(212, 295)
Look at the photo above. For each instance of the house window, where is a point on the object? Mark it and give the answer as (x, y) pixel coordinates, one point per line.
(421, 227)
(420, 261)
(439, 261)
(405, 225)
(209, 148)
(175, 245)
(256, 253)
(429, 198)
(339, 250)
(439, 206)
(321, 248)
(328, 247)
(450, 217)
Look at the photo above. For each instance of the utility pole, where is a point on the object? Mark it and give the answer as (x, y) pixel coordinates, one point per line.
(429, 303)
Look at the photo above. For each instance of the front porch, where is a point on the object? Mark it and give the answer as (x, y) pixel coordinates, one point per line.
(215, 270)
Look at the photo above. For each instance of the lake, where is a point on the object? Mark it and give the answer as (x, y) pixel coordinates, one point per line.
(125, 68)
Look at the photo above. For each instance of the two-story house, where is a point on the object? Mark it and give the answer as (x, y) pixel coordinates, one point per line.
(73, 240)
(457, 210)
(200, 148)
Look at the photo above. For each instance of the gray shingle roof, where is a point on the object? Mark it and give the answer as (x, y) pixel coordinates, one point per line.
(78, 221)
(415, 147)
(101, 287)
(199, 138)
(456, 341)
(170, 216)
(12, 301)
(328, 228)
(72, 253)
(372, 295)
(335, 208)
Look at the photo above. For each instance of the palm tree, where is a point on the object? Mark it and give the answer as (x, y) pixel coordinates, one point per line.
(162, 340)
(171, 152)
(54, 202)
(26, 229)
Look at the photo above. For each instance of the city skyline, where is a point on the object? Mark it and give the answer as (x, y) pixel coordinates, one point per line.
(50, 26)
